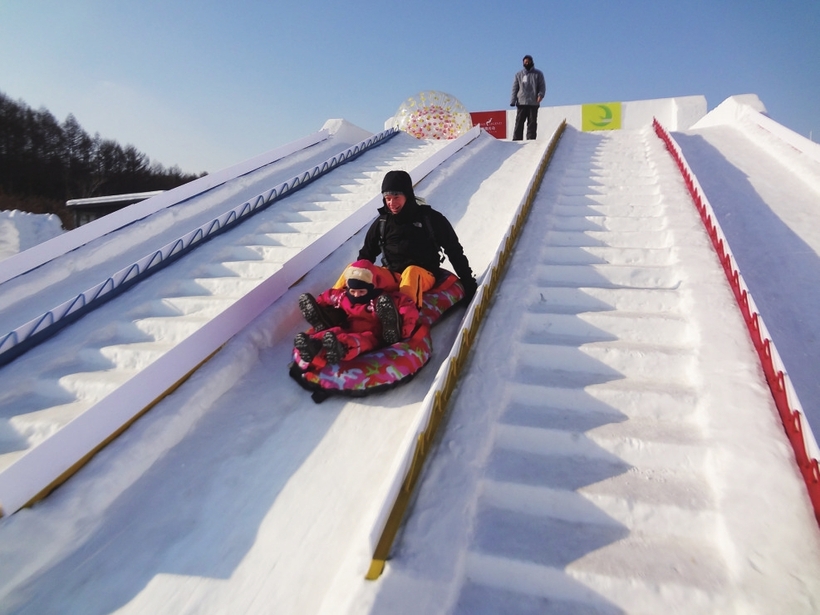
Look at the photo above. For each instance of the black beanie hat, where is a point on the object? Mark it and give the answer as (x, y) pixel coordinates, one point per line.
(398, 181)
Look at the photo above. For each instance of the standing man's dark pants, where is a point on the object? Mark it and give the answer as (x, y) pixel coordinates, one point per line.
(528, 113)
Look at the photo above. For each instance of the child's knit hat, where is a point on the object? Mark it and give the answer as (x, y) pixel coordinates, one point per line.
(359, 277)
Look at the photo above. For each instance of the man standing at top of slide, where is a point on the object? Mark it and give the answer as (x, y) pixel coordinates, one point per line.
(528, 91)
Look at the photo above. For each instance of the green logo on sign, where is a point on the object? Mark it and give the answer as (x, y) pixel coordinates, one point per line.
(603, 116)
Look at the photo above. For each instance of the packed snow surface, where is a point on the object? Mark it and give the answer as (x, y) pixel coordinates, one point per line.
(611, 447)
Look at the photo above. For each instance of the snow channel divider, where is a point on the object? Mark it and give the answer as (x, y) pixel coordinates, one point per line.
(796, 426)
(44, 467)
(419, 441)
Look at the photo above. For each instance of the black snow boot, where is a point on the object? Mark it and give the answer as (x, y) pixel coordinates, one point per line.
(334, 349)
(307, 346)
(390, 319)
(320, 317)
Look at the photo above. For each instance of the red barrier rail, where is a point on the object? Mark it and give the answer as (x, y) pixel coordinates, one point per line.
(785, 398)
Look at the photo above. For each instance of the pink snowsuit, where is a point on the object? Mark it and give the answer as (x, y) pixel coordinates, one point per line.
(363, 330)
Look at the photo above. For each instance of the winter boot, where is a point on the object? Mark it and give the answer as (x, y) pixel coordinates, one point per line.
(389, 317)
(307, 346)
(334, 349)
(320, 317)
(312, 312)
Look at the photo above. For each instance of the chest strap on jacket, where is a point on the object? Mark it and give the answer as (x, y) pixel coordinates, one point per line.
(382, 243)
(428, 225)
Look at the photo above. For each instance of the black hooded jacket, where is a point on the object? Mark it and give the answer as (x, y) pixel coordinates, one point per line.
(408, 240)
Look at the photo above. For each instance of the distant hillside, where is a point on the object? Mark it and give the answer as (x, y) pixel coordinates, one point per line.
(43, 163)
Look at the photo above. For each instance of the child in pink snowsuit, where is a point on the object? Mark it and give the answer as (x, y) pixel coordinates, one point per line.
(357, 318)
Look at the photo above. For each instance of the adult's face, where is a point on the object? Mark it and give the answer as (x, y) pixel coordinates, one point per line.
(394, 202)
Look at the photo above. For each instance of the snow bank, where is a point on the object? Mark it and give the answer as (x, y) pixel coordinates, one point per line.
(20, 230)
(677, 113)
(749, 108)
(346, 131)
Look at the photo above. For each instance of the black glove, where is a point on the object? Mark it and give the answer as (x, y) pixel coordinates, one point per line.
(512, 104)
(470, 288)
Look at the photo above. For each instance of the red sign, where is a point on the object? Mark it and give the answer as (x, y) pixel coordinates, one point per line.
(494, 122)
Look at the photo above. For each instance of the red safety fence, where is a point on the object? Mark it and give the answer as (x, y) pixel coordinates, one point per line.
(785, 398)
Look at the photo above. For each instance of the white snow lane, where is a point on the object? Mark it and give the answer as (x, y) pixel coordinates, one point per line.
(612, 436)
(30, 295)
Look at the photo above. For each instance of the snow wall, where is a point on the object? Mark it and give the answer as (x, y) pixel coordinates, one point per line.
(748, 109)
(678, 113)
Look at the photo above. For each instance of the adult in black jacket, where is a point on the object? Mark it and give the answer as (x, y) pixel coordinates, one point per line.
(410, 236)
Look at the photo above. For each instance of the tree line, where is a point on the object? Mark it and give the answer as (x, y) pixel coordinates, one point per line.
(44, 163)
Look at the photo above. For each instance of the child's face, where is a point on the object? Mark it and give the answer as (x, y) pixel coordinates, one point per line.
(357, 292)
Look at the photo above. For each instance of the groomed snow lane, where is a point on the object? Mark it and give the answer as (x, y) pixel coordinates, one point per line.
(594, 471)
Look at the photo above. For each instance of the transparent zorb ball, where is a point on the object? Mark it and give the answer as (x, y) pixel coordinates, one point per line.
(433, 115)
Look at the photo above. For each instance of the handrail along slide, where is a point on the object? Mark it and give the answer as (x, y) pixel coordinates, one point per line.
(785, 397)
(28, 335)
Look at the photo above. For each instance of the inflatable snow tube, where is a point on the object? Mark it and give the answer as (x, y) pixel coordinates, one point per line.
(385, 367)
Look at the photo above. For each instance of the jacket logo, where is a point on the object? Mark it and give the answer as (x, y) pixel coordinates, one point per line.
(418, 224)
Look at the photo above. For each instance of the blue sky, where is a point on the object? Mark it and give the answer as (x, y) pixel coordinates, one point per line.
(205, 85)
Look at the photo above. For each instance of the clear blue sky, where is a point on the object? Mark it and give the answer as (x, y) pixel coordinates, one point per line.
(203, 85)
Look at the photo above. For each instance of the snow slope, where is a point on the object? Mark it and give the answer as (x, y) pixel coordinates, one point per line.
(60, 379)
(284, 402)
(624, 457)
(629, 457)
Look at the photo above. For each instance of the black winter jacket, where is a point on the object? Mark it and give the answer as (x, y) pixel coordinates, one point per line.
(407, 241)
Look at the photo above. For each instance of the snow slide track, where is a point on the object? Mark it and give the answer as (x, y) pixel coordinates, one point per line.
(62, 405)
(606, 343)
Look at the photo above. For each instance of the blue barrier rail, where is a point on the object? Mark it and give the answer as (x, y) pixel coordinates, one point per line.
(37, 330)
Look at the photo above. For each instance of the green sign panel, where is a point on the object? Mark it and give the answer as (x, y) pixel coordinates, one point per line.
(601, 116)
